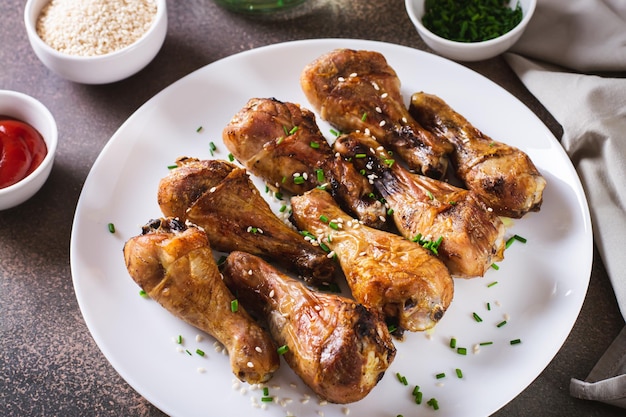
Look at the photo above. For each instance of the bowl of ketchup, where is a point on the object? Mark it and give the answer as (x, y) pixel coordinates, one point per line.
(28, 141)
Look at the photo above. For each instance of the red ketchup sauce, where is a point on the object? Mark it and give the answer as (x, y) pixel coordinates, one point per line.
(22, 148)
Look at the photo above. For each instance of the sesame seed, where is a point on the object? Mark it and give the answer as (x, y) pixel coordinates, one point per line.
(331, 254)
(258, 349)
(250, 272)
(341, 79)
(271, 294)
(201, 370)
(362, 253)
(382, 123)
(384, 95)
(375, 85)
(378, 109)
(353, 75)
(250, 365)
(199, 338)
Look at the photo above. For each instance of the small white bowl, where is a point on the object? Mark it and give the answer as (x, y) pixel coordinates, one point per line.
(29, 110)
(99, 69)
(469, 51)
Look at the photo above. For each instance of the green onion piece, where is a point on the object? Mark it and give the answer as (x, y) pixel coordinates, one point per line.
(283, 208)
(231, 157)
(453, 343)
(293, 130)
(267, 399)
(199, 129)
(516, 341)
(212, 146)
(459, 373)
(320, 175)
(298, 180)
(172, 166)
(415, 390)
(520, 239)
(200, 352)
(495, 266)
(266, 391)
(430, 195)
(111, 227)
(179, 339)
(364, 117)
(333, 225)
(461, 351)
(392, 328)
(334, 132)
(433, 403)
(502, 323)
(283, 349)
(323, 218)
(401, 378)
(477, 317)
(440, 375)
(489, 306)
(314, 145)
(360, 155)
(491, 284)
(278, 195)
(234, 305)
(418, 397)
(324, 247)
(389, 162)
(390, 212)
(285, 130)
(280, 140)
(143, 294)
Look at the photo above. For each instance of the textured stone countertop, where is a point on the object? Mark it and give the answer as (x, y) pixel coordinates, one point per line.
(49, 363)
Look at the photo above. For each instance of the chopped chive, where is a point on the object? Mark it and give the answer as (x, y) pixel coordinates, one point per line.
(389, 162)
(520, 239)
(323, 218)
(334, 132)
(360, 155)
(489, 306)
(459, 373)
(280, 140)
(267, 399)
(440, 375)
(199, 129)
(390, 212)
(433, 403)
(430, 195)
(415, 390)
(320, 175)
(502, 323)
(453, 343)
(278, 195)
(179, 339)
(461, 351)
(495, 266)
(477, 317)
(392, 328)
(172, 166)
(418, 397)
(231, 157)
(143, 293)
(283, 208)
(234, 305)
(314, 145)
(485, 343)
(491, 284)
(293, 130)
(401, 378)
(283, 349)
(200, 352)
(324, 247)
(111, 227)
(298, 180)
(212, 147)
(516, 341)
(364, 117)
(188, 353)
(333, 225)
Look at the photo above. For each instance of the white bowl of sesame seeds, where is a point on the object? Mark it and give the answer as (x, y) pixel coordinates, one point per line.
(96, 41)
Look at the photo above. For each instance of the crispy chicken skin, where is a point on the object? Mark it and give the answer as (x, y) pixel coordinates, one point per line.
(220, 198)
(338, 347)
(503, 176)
(174, 265)
(281, 143)
(385, 271)
(472, 238)
(358, 90)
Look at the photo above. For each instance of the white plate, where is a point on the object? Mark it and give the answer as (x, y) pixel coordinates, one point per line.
(541, 284)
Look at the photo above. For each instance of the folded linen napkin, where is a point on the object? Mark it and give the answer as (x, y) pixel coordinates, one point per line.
(566, 41)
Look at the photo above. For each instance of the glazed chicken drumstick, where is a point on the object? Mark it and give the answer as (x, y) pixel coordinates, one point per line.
(338, 347)
(385, 271)
(281, 143)
(470, 238)
(220, 198)
(174, 265)
(503, 176)
(358, 90)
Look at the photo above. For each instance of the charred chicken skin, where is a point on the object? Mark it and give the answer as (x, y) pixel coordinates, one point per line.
(385, 271)
(220, 198)
(358, 90)
(281, 143)
(469, 237)
(174, 265)
(503, 176)
(338, 347)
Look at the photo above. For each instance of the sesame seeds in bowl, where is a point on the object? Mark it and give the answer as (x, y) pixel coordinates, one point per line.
(96, 41)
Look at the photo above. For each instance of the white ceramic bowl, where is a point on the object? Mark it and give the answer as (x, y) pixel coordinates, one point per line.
(100, 69)
(27, 109)
(469, 51)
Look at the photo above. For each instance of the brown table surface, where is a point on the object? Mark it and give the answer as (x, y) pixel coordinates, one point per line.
(49, 364)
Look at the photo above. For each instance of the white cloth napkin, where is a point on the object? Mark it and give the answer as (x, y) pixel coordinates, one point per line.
(572, 57)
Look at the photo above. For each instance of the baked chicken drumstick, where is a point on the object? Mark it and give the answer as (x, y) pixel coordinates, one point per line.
(503, 176)
(469, 237)
(220, 198)
(174, 265)
(281, 143)
(385, 271)
(358, 90)
(338, 347)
